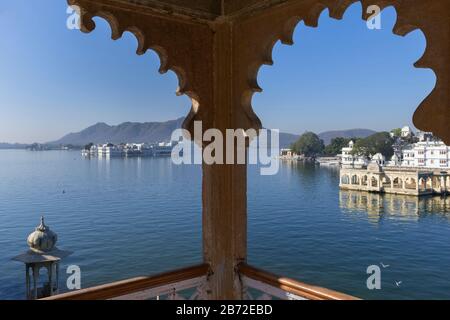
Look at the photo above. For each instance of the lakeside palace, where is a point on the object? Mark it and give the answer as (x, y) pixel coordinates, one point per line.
(109, 150)
(418, 168)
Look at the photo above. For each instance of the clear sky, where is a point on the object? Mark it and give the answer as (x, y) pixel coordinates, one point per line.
(340, 75)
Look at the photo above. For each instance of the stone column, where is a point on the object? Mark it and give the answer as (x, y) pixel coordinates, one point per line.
(225, 185)
(27, 281)
(35, 281)
(50, 277)
(57, 276)
(443, 184)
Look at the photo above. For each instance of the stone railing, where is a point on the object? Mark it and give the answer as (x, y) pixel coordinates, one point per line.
(262, 285)
(182, 284)
(192, 284)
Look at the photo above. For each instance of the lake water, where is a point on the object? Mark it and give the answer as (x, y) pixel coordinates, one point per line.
(130, 217)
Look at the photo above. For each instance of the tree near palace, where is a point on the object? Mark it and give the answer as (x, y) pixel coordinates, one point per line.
(397, 132)
(89, 146)
(309, 144)
(336, 145)
(380, 142)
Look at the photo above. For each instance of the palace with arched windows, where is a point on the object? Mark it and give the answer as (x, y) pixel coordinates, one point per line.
(397, 180)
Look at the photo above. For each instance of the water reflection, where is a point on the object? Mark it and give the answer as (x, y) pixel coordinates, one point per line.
(392, 206)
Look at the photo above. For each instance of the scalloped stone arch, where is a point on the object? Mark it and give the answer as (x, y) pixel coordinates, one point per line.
(172, 57)
(310, 20)
(279, 23)
(217, 52)
(88, 25)
(142, 48)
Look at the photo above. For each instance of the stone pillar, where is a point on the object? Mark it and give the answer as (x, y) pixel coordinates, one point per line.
(225, 185)
(57, 277)
(443, 188)
(27, 281)
(35, 282)
(447, 183)
(50, 277)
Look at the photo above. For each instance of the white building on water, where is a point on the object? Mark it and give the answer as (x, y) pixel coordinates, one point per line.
(352, 161)
(110, 150)
(427, 153)
(416, 168)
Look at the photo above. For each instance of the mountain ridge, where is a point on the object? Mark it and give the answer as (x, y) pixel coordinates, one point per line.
(152, 132)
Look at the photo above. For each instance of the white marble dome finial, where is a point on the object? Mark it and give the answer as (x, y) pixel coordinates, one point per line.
(42, 239)
(42, 226)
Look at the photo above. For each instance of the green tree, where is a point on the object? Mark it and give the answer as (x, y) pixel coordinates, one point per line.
(380, 142)
(397, 132)
(336, 145)
(88, 146)
(309, 144)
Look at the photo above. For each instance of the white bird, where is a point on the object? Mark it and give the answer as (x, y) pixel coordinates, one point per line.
(398, 283)
(384, 265)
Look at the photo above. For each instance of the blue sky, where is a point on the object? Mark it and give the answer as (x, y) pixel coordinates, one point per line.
(340, 75)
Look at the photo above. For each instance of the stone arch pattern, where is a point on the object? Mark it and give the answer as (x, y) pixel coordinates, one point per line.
(374, 182)
(255, 32)
(279, 25)
(410, 183)
(387, 182)
(217, 61)
(345, 179)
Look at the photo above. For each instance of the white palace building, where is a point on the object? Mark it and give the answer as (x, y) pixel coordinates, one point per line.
(427, 154)
(109, 150)
(419, 168)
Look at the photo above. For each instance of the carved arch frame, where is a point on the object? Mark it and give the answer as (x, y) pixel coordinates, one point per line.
(262, 30)
(217, 61)
(185, 45)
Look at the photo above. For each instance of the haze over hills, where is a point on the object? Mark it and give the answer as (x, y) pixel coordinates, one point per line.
(152, 132)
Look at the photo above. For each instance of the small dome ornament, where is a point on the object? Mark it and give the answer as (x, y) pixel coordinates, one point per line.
(42, 253)
(42, 239)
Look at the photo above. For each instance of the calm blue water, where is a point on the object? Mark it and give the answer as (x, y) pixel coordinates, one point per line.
(130, 217)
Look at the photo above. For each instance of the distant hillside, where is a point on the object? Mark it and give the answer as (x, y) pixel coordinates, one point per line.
(152, 132)
(287, 139)
(352, 133)
(149, 132)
